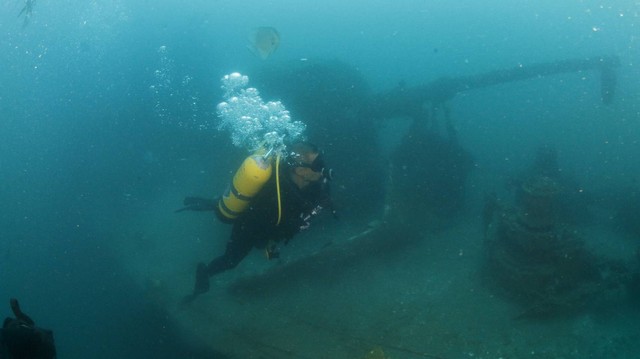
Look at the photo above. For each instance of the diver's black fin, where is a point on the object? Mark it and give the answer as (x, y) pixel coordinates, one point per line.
(198, 204)
(15, 307)
(201, 286)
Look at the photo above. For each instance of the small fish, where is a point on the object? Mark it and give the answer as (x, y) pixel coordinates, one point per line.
(264, 41)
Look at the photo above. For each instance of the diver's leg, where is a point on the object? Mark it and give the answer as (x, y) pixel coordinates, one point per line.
(238, 247)
(231, 257)
(243, 238)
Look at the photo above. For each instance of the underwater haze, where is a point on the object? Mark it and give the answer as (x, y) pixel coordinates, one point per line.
(108, 119)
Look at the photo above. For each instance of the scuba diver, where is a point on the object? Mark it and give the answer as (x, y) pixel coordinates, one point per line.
(21, 339)
(268, 210)
(27, 10)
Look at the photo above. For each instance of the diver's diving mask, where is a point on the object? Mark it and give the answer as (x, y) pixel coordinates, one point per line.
(318, 165)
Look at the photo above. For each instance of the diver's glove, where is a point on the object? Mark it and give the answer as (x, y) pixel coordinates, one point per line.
(20, 338)
(198, 204)
(271, 251)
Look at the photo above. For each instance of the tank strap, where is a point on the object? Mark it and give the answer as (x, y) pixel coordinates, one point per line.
(227, 211)
(235, 192)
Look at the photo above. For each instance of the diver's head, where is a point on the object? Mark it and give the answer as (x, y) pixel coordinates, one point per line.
(307, 164)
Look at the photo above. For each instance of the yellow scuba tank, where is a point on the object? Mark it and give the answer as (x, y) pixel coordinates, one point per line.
(254, 172)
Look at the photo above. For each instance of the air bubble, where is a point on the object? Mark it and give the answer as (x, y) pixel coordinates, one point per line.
(254, 124)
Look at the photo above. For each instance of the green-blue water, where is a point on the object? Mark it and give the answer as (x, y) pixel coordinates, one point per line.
(97, 124)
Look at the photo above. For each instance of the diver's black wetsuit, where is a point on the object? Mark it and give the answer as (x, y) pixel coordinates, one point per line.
(257, 226)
